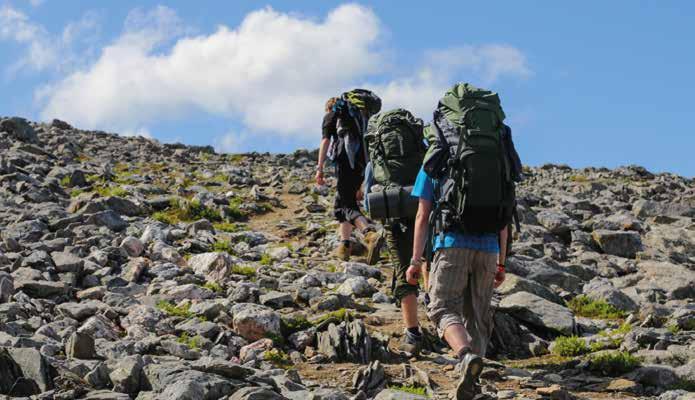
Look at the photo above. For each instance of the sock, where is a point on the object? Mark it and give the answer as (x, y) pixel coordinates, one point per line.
(415, 331)
(346, 243)
(462, 353)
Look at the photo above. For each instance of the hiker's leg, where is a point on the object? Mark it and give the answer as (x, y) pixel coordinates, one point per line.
(361, 223)
(399, 237)
(409, 311)
(345, 230)
(448, 281)
(478, 311)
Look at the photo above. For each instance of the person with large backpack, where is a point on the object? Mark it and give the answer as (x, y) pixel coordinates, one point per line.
(466, 191)
(396, 148)
(342, 142)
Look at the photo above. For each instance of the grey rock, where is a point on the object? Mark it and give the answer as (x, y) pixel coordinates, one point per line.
(390, 394)
(126, 374)
(514, 283)
(42, 289)
(67, 262)
(6, 287)
(10, 371)
(618, 243)
(135, 269)
(369, 379)
(654, 375)
(276, 299)
(80, 311)
(603, 289)
(215, 266)
(80, 345)
(109, 219)
(253, 321)
(539, 312)
(254, 393)
(19, 129)
(556, 222)
(133, 246)
(34, 366)
(357, 286)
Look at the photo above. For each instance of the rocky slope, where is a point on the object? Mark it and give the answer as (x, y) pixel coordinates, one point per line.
(132, 269)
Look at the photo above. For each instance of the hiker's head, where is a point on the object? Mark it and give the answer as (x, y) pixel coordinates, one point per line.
(330, 103)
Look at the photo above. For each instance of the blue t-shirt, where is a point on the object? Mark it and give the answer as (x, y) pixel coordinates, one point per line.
(488, 243)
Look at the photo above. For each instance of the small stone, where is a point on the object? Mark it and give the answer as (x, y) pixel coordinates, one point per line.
(81, 346)
(133, 246)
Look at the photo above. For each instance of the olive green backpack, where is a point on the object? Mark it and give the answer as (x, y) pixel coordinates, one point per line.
(467, 155)
(396, 147)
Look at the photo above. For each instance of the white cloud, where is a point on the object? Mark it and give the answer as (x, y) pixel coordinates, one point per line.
(272, 73)
(481, 65)
(44, 51)
(36, 3)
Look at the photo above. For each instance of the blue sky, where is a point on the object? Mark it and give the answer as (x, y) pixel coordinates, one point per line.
(587, 84)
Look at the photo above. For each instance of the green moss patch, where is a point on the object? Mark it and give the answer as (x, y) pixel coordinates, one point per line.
(587, 307)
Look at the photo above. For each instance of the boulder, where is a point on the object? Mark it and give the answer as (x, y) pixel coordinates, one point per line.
(215, 266)
(539, 313)
(603, 289)
(253, 321)
(81, 346)
(618, 243)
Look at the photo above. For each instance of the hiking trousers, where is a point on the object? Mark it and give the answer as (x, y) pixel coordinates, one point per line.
(345, 207)
(399, 241)
(461, 284)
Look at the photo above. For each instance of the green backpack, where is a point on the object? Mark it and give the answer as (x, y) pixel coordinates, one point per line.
(467, 155)
(396, 148)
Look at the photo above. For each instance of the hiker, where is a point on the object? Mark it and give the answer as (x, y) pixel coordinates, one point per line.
(343, 126)
(396, 148)
(466, 202)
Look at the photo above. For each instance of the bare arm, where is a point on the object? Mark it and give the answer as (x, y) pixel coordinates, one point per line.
(503, 246)
(502, 257)
(419, 239)
(323, 150)
(422, 220)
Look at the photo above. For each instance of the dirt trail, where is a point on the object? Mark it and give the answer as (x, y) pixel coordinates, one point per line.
(387, 320)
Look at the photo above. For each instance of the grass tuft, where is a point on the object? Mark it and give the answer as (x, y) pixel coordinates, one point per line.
(186, 211)
(224, 246)
(586, 307)
(295, 324)
(106, 191)
(277, 357)
(245, 270)
(613, 363)
(266, 260)
(228, 227)
(193, 342)
(174, 310)
(419, 390)
(214, 286)
(337, 315)
(570, 346)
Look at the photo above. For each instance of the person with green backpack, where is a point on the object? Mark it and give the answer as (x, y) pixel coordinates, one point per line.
(396, 147)
(466, 191)
(342, 142)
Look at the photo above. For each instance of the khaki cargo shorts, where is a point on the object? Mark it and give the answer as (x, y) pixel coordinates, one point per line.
(461, 284)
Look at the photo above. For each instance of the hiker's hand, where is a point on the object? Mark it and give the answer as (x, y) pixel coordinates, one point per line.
(319, 178)
(499, 277)
(359, 196)
(412, 275)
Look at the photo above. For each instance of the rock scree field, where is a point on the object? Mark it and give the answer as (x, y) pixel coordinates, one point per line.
(131, 269)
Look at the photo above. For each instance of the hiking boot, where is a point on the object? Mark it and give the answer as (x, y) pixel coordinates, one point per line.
(373, 241)
(411, 344)
(343, 252)
(471, 366)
